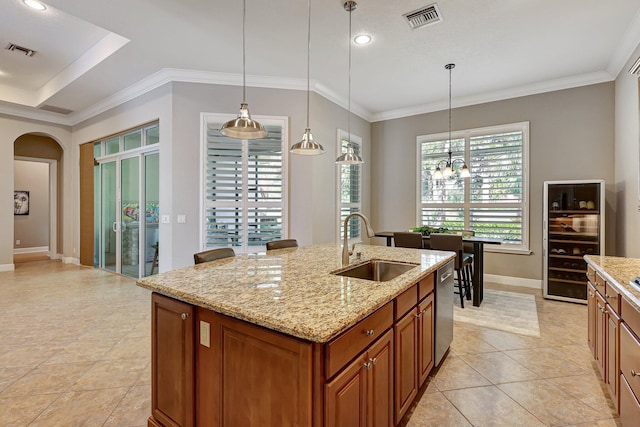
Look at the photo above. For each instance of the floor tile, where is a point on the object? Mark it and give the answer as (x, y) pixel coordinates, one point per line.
(47, 379)
(498, 367)
(488, 406)
(435, 410)
(111, 373)
(456, 373)
(133, 409)
(17, 411)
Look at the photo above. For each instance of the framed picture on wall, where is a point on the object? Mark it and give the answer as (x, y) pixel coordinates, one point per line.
(21, 202)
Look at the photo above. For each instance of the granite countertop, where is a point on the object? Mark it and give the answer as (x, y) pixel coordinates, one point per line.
(293, 290)
(619, 271)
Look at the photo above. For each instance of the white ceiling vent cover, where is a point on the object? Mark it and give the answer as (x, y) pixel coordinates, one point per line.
(14, 47)
(424, 16)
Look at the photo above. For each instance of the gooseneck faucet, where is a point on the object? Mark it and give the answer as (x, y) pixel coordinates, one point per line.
(345, 245)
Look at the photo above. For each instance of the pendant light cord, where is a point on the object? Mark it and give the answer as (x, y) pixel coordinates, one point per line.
(244, 58)
(349, 83)
(308, 55)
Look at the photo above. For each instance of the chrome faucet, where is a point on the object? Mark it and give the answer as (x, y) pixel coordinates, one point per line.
(345, 246)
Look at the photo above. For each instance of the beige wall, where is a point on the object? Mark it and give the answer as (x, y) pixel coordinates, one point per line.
(571, 137)
(32, 230)
(627, 151)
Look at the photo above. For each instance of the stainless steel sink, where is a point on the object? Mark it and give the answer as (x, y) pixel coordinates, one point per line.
(377, 270)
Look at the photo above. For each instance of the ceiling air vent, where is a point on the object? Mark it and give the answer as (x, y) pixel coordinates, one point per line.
(424, 16)
(55, 109)
(25, 50)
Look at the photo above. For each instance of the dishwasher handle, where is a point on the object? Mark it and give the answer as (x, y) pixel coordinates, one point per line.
(446, 274)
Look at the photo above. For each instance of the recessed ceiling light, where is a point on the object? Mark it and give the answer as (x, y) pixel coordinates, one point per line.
(362, 39)
(34, 4)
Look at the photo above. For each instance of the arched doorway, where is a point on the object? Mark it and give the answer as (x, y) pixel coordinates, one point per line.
(36, 155)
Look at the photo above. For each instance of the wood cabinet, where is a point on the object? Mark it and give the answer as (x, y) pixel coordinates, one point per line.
(600, 320)
(629, 365)
(172, 350)
(213, 370)
(591, 318)
(360, 395)
(612, 356)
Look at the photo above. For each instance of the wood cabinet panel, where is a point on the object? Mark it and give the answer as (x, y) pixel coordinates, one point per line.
(265, 375)
(612, 349)
(426, 286)
(380, 383)
(406, 351)
(612, 296)
(600, 331)
(352, 342)
(208, 391)
(630, 315)
(425, 338)
(345, 396)
(172, 362)
(599, 283)
(591, 318)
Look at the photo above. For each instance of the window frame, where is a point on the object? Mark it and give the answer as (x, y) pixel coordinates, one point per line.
(283, 122)
(343, 135)
(467, 134)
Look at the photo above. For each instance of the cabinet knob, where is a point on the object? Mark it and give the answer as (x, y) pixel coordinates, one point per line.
(607, 296)
(184, 316)
(369, 333)
(374, 360)
(367, 365)
(635, 374)
(591, 294)
(419, 315)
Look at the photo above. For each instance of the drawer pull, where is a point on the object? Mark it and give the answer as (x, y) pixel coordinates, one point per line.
(591, 294)
(369, 332)
(184, 316)
(635, 374)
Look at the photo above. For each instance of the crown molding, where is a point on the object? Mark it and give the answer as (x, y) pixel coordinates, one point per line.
(515, 92)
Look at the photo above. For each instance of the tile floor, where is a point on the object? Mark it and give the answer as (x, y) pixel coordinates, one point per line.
(74, 351)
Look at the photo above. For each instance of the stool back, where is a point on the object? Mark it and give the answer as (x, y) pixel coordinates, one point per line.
(448, 242)
(213, 254)
(407, 240)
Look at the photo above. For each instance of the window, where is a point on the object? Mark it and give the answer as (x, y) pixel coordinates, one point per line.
(127, 141)
(349, 186)
(244, 186)
(493, 201)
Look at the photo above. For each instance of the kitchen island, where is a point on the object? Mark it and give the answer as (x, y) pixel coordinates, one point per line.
(277, 339)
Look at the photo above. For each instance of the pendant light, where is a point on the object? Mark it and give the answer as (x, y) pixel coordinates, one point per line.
(448, 170)
(307, 146)
(243, 127)
(350, 157)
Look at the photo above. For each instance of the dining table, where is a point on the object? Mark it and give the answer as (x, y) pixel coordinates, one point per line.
(478, 259)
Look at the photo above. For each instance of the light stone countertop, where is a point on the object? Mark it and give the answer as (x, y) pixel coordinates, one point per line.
(619, 271)
(293, 290)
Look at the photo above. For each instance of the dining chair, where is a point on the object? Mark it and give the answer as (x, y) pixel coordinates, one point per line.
(453, 242)
(468, 249)
(281, 244)
(407, 239)
(213, 254)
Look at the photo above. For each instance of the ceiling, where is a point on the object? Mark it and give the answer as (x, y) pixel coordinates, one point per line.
(92, 55)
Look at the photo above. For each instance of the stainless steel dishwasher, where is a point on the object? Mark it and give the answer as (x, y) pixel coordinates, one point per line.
(444, 310)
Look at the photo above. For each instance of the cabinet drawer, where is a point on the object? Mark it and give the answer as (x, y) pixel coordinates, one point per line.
(612, 296)
(629, 405)
(349, 344)
(630, 316)
(425, 287)
(591, 274)
(406, 301)
(630, 358)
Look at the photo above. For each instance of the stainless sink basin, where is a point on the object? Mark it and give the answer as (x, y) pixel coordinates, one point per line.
(377, 270)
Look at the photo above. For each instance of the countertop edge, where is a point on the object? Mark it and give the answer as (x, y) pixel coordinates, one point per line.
(307, 335)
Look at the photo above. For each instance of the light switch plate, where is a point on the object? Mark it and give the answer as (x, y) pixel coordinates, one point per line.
(182, 219)
(205, 334)
(166, 219)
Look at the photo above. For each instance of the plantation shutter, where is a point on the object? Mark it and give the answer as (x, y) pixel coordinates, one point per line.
(350, 192)
(244, 203)
(496, 190)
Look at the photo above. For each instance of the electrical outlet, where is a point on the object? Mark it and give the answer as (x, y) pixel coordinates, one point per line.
(17, 242)
(205, 334)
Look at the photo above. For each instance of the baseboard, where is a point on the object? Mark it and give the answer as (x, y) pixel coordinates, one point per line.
(513, 281)
(70, 260)
(7, 267)
(55, 256)
(31, 250)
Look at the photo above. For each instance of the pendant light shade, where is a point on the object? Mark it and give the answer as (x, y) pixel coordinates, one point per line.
(307, 146)
(350, 157)
(243, 127)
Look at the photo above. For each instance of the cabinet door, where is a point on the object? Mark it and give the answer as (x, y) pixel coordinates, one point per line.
(425, 339)
(600, 331)
(346, 397)
(591, 316)
(612, 359)
(405, 351)
(629, 405)
(172, 390)
(380, 383)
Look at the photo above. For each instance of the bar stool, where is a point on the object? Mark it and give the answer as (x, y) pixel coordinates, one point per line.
(408, 239)
(281, 244)
(453, 242)
(213, 254)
